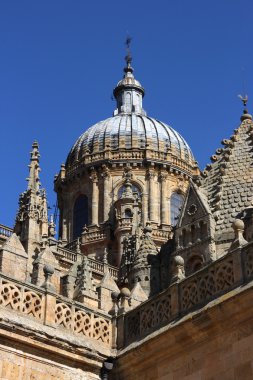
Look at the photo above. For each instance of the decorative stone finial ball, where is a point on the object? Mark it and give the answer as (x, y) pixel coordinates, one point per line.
(125, 292)
(178, 260)
(238, 225)
(48, 269)
(115, 296)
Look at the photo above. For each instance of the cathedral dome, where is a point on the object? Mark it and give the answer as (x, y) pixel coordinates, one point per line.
(130, 133)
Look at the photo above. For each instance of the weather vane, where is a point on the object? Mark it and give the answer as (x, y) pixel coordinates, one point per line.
(244, 99)
(128, 57)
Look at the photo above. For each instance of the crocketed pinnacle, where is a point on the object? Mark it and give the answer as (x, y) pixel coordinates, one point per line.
(34, 169)
(146, 249)
(84, 282)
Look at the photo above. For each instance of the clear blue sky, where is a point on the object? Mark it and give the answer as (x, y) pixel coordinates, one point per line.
(60, 61)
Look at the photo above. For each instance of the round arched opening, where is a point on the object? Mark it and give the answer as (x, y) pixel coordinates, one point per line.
(80, 215)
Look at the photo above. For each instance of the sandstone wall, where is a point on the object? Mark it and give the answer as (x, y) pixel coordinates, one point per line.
(17, 364)
(215, 343)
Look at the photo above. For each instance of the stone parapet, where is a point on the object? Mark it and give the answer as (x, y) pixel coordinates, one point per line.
(5, 233)
(192, 293)
(50, 309)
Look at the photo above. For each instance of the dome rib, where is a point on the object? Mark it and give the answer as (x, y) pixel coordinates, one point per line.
(153, 121)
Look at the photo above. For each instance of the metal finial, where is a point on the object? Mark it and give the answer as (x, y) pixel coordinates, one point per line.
(244, 99)
(128, 57)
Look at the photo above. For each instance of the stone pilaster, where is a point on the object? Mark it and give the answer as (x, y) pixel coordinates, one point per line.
(164, 203)
(151, 194)
(144, 208)
(95, 197)
(106, 176)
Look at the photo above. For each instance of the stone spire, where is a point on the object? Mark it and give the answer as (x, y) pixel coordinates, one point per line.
(32, 218)
(129, 92)
(85, 288)
(34, 169)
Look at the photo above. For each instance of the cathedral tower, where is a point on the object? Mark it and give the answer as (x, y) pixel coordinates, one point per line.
(121, 173)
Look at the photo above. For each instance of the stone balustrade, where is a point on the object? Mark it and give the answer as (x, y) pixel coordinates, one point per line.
(124, 222)
(51, 309)
(96, 266)
(101, 268)
(161, 234)
(67, 254)
(5, 231)
(90, 236)
(138, 154)
(73, 245)
(214, 280)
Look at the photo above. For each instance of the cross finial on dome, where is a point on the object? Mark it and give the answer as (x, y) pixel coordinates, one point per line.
(244, 99)
(128, 92)
(128, 57)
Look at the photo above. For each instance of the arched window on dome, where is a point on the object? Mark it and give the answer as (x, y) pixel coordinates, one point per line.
(176, 202)
(128, 102)
(80, 215)
(135, 189)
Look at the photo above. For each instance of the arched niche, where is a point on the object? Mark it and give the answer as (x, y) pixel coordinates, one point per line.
(135, 189)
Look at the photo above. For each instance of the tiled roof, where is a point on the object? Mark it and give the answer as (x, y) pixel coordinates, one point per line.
(228, 180)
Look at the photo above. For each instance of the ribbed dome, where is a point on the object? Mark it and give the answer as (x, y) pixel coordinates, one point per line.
(127, 132)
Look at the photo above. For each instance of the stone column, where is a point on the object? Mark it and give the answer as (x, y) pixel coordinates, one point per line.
(151, 195)
(106, 201)
(95, 198)
(64, 224)
(164, 203)
(145, 208)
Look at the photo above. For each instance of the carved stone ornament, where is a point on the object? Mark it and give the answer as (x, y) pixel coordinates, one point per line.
(192, 209)
(180, 182)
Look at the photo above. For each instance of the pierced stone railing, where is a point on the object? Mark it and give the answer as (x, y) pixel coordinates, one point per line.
(81, 320)
(209, 282)
(148, 316)
(33, 301)
(216, 279)
(26, 299)
(5, 231)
